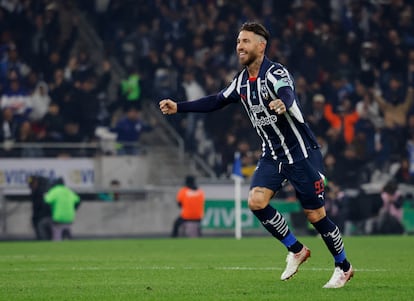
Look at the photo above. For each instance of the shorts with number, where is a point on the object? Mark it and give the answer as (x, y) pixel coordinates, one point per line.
(304, 175)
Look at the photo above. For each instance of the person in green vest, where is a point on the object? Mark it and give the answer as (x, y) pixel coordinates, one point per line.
(130, 90)
(64, 203)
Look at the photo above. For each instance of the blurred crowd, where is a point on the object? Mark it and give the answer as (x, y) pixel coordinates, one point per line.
(49, 94)
(353, 63)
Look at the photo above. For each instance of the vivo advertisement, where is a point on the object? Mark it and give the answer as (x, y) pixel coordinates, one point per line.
(77, 173)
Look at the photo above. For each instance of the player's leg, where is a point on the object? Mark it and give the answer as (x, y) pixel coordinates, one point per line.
(309, 185)
(332, 237)
(265, 182)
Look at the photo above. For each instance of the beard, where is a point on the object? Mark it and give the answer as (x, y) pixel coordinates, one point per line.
(251, 57)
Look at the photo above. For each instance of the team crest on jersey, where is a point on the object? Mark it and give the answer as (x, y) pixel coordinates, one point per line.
(264, 92)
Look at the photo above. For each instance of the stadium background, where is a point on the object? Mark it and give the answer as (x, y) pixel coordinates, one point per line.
(76, 55)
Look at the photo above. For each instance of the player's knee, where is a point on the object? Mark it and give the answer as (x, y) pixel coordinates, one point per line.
(257, 199)
(315, 215)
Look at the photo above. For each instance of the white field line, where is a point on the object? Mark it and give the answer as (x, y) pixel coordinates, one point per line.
(165, 268)
(302, 268)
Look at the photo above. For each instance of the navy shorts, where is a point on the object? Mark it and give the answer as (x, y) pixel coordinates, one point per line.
(305, 176)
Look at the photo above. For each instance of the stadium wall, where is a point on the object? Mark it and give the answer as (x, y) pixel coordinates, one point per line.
(150, 215)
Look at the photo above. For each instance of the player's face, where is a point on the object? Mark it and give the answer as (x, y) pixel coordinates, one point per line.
(249, 47)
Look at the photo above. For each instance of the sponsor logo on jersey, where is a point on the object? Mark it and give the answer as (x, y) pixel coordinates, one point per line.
(262, 121)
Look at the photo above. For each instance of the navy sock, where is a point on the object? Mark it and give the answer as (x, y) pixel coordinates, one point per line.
(332, 237)
(275, 223)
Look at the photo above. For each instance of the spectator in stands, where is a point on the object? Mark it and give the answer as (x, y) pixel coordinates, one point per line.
(371, 140)
(309, 65)
(40, 102)
(26, 135)
(331, 169)
(351, 167)
(395, 118)
(80, 66)
(335, 89)
(393, 89)
(13, 62)
(52, 123)
(190, 198)
(389, 219)
(69, 106)
(59, 87)
(366, 106)
(32, 80)
(305, 94)
(336, 204)
(64, 202)
(8, 131)
(72, 132)
(404, 174)
(226, 147)
(17, 98)
(52, 128)
(40, 42)
(316, 116)
(393, 53)
(344, 67)
(406, 28)
(54, 63)
(344, 120)
(88, 100)
(129, 129)
(368, 63)
(193, 90)
(328, 45)
(130, 90)
(248, 158)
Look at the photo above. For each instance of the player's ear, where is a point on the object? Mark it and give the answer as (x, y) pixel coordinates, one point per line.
(262, 46)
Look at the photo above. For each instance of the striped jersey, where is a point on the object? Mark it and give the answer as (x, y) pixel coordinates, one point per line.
(286, 138)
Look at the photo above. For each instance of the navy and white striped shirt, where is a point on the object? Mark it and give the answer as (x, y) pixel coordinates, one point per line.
(286, 138)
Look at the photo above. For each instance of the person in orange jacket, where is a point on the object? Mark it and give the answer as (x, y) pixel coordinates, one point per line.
(344, 121)
(191, 200)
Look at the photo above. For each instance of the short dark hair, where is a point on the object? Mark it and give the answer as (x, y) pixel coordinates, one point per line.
(190, 181)
(257, 28)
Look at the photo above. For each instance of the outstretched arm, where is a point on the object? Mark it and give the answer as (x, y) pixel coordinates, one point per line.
(205, 104)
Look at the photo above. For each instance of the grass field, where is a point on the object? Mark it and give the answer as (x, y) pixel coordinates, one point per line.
(200, 269)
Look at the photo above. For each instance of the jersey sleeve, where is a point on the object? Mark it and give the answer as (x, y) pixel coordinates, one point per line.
(212, 102)
(205, 104)
(280, 81)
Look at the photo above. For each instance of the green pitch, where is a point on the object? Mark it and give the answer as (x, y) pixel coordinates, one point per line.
(200, 269)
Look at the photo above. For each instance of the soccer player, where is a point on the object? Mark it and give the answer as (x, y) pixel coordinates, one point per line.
(290, 151)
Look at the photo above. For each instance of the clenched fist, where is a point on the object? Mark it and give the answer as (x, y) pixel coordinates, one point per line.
(278, 106)
(168, 107)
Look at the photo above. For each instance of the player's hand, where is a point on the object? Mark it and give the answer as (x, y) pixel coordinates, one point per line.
(278, 106)
(168, 107)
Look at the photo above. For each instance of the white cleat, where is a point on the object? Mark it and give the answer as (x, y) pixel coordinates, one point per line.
(294, 261)
(339, 278)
